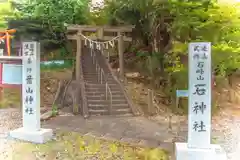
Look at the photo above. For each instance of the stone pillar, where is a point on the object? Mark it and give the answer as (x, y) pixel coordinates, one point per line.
(31, 130)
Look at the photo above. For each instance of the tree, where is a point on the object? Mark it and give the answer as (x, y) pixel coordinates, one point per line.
(168, 26)
(5, 13)
(47, 19)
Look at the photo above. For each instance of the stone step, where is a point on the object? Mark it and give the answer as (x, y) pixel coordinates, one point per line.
(102, 86)
(96, 92)
(98, 97)
(95, 81)
(85, 60)
(107, 102)
(88, 70)
(122, 105)
(96, 76)
(106, 112)
(89, 89)
(87, 73)
(91, 67)
(88, 62)
(99, 85)
(102, 92)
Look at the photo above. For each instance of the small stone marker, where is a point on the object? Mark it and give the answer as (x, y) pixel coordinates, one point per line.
(199, 145)
(31, 130)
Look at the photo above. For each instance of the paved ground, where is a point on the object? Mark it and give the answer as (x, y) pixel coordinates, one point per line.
(139, 130)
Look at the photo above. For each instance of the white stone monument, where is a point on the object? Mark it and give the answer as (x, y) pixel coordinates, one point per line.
(31, 130)
(199, 145)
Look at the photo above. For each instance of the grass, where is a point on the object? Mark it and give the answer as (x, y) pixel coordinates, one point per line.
(72, 146)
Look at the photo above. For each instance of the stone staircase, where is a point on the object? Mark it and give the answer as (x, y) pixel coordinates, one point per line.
(104, 93)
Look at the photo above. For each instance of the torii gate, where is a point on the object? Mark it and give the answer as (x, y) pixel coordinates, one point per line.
(100, 30)
(5, 37)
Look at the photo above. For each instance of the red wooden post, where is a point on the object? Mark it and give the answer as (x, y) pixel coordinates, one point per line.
(1, 88)
(8, 43)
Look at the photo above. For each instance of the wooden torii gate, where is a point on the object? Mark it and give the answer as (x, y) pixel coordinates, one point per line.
(99, 35)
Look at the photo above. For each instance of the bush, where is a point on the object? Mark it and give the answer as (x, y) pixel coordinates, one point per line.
(176, 23)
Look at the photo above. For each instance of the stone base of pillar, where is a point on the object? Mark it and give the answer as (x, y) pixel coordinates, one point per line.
(41, 136)
(215, 152)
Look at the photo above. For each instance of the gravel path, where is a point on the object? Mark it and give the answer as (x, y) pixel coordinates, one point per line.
(228, 131)
(9, 120)
(140, 130)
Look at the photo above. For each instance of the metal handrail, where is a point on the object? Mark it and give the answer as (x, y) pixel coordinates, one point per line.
(108, 56)
(96, 66)
(93, 57)
(97, 70)
(101, 74)
(108, 90)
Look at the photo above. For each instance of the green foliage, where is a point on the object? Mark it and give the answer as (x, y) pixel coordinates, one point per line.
(54, 110)
(218, 24)
(176, 23)
(5, 13)
(55, 13)
(46, 20)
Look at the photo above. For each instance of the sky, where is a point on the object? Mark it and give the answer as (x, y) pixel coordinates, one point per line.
(96, 1)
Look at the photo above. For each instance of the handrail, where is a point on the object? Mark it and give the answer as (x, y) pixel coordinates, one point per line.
(136, 111)
(101, 75)
(93, 57)
(108, 90)
(98, 70)
(108, 56)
